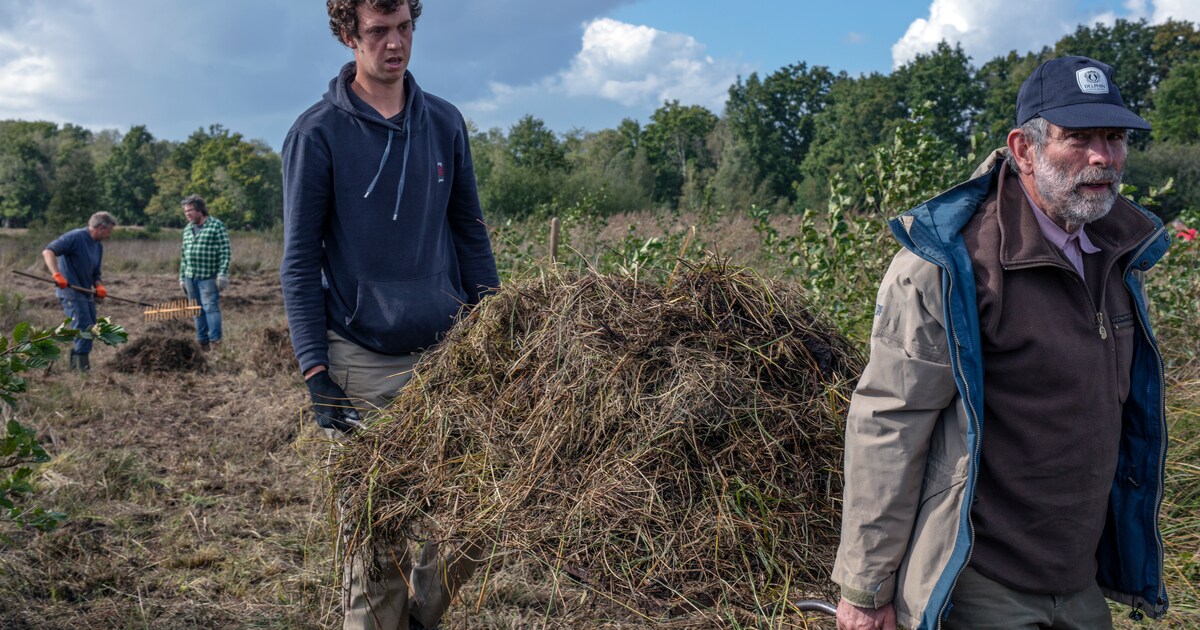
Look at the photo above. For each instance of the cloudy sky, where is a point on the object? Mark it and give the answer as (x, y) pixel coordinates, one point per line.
(253, 65)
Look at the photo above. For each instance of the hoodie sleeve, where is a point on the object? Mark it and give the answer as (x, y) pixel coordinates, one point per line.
(476, 264)
(307, 191)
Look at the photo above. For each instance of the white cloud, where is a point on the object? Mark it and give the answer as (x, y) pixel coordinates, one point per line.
(630, 65)
(988, 28)
(1176, 9)
(27, 75)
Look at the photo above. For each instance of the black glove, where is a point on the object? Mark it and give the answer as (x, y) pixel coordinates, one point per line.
(331, 406)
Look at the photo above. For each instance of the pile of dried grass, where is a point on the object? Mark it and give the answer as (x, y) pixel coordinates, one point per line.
(677, 448)
(165, 347)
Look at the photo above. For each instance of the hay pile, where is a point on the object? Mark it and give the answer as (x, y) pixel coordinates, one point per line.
(676, 448)
(166, 346)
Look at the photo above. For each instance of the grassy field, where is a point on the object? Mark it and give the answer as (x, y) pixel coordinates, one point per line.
(196, 498)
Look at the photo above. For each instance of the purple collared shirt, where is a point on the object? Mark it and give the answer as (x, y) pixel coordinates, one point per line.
(1073, 244)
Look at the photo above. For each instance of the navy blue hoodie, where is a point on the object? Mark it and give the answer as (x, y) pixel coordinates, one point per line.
(383, 234)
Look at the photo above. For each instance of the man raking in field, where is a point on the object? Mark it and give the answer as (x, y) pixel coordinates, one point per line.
(1006, 442)
(73, 259)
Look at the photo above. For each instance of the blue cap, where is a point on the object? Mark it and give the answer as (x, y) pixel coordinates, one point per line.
(1075, 92)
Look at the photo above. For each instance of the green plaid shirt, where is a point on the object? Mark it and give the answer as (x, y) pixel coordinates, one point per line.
(205, 254)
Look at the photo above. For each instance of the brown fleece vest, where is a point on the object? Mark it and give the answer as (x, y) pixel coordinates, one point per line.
(1056, 359)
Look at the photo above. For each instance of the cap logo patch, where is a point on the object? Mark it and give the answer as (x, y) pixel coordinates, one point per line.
(1092, 81)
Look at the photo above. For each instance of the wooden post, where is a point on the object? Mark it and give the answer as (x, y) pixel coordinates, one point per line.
(554, 240)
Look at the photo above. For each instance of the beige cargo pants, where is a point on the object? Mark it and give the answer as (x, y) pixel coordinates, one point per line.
(382, 587)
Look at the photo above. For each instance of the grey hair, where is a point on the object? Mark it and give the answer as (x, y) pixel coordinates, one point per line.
(1037, 129)
(101, 220)
(197, 202)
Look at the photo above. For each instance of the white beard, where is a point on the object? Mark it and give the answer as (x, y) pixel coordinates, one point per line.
(1061, 193)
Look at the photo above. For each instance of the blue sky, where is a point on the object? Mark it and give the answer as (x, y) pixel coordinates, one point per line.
(253, 65)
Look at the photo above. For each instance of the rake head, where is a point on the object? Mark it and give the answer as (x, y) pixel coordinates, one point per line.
(175, 309)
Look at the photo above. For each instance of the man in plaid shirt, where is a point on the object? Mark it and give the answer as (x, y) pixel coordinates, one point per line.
(204, 268)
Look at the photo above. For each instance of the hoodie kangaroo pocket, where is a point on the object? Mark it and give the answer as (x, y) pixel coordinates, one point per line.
(404, 315)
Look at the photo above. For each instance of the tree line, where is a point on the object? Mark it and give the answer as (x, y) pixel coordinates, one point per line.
(781, 142)
(785, 138)
(57, 176)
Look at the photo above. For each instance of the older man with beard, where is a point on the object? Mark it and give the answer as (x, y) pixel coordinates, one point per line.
(1015, 312)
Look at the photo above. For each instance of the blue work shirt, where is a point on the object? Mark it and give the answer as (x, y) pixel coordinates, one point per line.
(79, 257)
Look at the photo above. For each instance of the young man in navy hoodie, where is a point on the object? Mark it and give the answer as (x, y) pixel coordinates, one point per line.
(383, 242)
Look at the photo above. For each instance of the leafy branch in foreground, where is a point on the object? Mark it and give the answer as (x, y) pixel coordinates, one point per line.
(31, 348)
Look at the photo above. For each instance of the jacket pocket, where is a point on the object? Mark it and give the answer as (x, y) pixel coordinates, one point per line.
(934, 535)
(400, 316)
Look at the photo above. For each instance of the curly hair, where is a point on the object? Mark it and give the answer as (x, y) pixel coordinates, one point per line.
(343, 14)
(197, 202)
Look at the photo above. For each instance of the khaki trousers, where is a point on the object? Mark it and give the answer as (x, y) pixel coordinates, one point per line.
(382, 588)
(983, 604)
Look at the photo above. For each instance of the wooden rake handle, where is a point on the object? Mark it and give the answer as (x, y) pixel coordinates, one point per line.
(81, 289)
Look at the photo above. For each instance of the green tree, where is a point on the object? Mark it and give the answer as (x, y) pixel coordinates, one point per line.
(26, 167)
(945, 80)
(242, 181)
(773, 117)
(676, 140)
(532, 145)
(1173, 44)
(608, 174)
(1176, 113)
(1153, 166)
(173, 177)
(526, 170)
(861, 114)
(127, 176)
(75, 192)
(737, 183)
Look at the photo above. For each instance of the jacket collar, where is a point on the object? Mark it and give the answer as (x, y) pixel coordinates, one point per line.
(1022, 241)
(933, 229)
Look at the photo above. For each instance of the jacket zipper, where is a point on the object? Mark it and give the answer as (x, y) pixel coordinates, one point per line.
(967, 401)
(1162, 413)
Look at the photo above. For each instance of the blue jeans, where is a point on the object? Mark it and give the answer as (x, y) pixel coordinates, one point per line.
(208, 322)
(82, 312)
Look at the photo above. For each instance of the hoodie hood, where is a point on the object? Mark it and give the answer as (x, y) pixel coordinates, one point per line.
(412, 119)
(339, 95)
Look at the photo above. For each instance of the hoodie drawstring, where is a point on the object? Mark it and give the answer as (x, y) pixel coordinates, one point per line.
(403, 171)
(382, 161)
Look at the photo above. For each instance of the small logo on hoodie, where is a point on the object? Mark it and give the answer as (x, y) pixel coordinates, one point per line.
(441, 173)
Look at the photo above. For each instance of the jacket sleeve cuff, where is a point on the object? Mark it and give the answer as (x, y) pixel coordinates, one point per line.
(861, 598)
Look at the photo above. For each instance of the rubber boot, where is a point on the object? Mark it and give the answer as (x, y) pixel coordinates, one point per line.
(80, 362)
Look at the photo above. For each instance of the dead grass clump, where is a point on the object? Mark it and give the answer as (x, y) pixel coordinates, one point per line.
(159, 353)
(272, 351)
(677, 448)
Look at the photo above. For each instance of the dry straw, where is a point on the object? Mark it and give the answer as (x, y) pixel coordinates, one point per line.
(674, 448)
